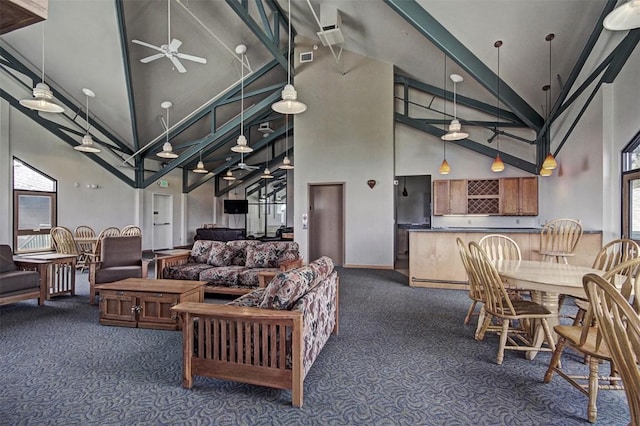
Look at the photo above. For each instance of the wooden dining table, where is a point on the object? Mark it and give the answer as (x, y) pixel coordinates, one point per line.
(546, 281)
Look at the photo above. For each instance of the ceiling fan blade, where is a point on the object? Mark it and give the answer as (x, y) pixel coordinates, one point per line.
(178, 64)
(175, 45)
(150, 46)
(151, 58)
(191, 58)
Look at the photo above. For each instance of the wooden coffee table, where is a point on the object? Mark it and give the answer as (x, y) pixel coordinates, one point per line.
(146, 303)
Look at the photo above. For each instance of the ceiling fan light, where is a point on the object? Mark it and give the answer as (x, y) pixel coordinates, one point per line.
(549, 162)
(289, 103)
(454, 133)
(286, 164)
(87, 145)
(546, 172)
(42, 96)
(624, 17)
(229, 176)
(267, 174)
(497, 165)
(167, 151)
(445, 169)
(200, 168)
(241, 145)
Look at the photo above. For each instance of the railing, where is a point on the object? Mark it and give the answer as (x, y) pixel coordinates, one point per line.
(29, 243)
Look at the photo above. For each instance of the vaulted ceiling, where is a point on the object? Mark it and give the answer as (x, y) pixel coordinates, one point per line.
(89, 44)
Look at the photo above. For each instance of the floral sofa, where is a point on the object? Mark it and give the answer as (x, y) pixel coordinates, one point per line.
(231, 267)
(268, 337)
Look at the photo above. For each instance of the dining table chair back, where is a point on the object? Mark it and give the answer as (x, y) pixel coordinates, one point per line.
(63, 240)
(131, 230)
(586, 338)
(620, 325)
(516, 316)
(476, 292)
(559, 238)
(500, 247)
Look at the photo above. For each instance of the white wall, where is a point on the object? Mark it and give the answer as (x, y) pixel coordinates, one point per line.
(346, 135)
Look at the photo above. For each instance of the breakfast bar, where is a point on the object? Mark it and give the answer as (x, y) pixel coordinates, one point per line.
(434, 260)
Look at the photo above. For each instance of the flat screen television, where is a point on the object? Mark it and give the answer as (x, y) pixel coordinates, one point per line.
(236, 206)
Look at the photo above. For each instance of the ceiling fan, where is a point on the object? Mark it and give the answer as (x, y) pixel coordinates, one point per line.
(169, 50)
(244, 166)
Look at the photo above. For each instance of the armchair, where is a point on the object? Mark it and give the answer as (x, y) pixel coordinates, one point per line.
(120, 258)
(16, 282)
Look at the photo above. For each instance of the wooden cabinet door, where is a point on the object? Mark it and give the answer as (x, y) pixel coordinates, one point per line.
(155, 309)
(458, 196)
(118, 306)
(509, 196)
(440, 197)
(529, 196)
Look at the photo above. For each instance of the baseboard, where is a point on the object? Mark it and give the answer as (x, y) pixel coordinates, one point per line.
(350, 265)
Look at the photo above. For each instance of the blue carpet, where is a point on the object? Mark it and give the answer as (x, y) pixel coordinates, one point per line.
(403, 357)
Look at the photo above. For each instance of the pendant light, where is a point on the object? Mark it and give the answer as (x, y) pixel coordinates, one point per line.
(286, 163)
(455, 133)
(87, 141)
(405, 193)
(549, 162)
(266, 174)
(200, 167)
(42, 94)
(445, 169)
(167, 149)
(545, 172)
(289, 103)
(241, 145)
(229, 176)
(624, 17)
(497, 165)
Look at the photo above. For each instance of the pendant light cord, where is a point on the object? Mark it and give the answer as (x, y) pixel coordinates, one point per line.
(43, 52)
(242, 96)
(286, 135)
(498, 44)
(289, 47)
(444, 113)
(88, 125)
(168, 23)
(167, 125)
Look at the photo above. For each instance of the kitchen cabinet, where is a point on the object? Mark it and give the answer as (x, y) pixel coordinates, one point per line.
(449, 197)
(519, 196)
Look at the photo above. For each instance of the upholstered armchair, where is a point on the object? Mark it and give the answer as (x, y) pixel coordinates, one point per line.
(20, 281)
(120, 258)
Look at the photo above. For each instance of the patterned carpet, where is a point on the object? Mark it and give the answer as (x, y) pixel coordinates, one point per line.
(402, 357)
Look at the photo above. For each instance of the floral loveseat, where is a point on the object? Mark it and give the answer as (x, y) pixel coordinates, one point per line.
(231, 267)
(268, 337)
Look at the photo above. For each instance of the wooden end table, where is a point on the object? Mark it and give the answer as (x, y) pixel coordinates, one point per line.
(57, 272)
(146, 303)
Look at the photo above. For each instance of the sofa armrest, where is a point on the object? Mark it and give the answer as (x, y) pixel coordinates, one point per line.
(243, 344)
(175, 260)
(265, 277)
(40, 266)
(290, 264)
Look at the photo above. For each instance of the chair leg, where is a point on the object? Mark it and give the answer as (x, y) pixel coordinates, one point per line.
(503, 341)
(592, 409)
(484, 321)
(472, 308)
(547, 334)
(555, 359)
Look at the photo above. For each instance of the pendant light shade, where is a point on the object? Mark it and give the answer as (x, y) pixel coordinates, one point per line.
(497, 165)
(549, 162)
(200, 166)
(167, 149)
(289, 103)
(42, 94)
(286, 163)
(445, 169)
(624, 17)
(546, 172)
(241, 145)
(266, 174)
(87, 144)
(229, 176)
(455, 129)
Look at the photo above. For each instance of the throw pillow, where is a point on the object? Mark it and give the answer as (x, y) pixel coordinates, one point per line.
(218, 255)
(261, 256)
(286, 288)
(200, 251)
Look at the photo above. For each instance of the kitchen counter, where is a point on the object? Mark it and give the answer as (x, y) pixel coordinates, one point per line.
(434, 260)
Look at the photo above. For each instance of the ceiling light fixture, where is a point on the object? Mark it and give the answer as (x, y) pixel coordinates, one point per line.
(289, 103)
(445, 169)
(624, 17)
(454, 133)
(286, 163)
(87, 141)
(42, 94)
(167, 149)
(549, 162)
(497, 165)
(200, 167)
(545, 172)
(241, 144)
(267, 173)
(229, 176)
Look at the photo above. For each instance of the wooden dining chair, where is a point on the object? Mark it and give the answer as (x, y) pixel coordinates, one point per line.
(500, 247)
(63, 240)
(620, 326)
(587, 340)
(516, 316)
(86, 249)
(610, 255)
(559, 238)
(111, 231)
(131, 230)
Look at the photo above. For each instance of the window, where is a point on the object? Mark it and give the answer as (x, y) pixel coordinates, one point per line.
(34, 208)
(631, 189)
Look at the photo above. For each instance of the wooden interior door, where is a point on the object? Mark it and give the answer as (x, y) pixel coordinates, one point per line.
(326, 222)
